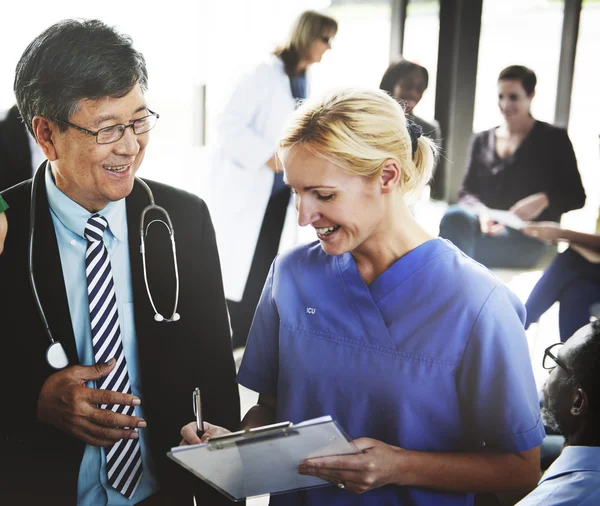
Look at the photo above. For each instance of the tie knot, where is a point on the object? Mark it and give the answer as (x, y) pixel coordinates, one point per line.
(94, 230)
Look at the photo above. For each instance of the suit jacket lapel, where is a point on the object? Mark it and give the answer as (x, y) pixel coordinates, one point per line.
(49, 274)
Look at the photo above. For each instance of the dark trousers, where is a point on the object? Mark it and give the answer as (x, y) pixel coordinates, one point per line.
(573, 282)
(241, 313)
(510, 249)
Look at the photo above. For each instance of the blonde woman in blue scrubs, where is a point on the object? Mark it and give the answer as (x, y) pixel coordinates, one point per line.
(416, 350)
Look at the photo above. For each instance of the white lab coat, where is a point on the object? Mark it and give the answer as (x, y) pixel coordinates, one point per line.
(240, 183)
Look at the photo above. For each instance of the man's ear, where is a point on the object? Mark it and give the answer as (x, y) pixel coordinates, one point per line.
(45, 132)
(390, 175)
(580, 403)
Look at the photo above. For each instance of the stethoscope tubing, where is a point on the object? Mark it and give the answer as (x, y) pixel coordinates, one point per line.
(157, 316)
(32, 208)
(55, 355)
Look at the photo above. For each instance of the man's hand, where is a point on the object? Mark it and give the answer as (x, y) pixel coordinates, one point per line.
(190, 437)
(530, 207)
(67, 404)
(3, 230)
(546, 231)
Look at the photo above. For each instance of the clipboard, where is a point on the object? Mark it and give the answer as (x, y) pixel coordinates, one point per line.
(264, 460)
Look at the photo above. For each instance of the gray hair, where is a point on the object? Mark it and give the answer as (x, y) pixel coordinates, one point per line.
(75, 60)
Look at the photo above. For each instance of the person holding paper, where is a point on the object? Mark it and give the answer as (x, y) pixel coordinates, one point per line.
(572, 279)
(417, 351)
(524, 166)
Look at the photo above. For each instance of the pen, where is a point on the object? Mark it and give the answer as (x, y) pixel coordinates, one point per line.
(198, 413)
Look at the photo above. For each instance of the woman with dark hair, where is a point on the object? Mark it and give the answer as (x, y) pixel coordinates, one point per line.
(406, 82)
(524, 166)
(248, 199)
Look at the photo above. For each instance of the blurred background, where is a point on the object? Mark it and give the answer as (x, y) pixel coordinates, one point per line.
(197, 50)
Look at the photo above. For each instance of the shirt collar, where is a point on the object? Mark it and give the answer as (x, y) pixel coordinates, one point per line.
(574, 459)
(74, 217)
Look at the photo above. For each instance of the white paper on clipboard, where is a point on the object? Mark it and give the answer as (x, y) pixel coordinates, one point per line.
(506, 218)
(264, 460)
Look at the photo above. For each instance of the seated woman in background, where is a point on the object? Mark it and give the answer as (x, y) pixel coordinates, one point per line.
(525, 166)
(572, 279)
(406, 82)
(417, 351)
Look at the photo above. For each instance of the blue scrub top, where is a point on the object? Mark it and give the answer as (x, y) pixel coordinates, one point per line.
(432, 356)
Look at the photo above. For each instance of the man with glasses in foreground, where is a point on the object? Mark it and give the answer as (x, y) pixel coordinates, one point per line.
(96, 432)
(572, 408)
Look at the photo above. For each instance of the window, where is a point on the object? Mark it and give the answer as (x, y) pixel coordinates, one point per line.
(421, 37)
(583, 122)
(518, 32)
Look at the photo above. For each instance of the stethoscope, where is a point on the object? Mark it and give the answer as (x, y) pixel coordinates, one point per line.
(55, 355)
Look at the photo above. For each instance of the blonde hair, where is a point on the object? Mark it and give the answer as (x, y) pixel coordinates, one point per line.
(358, 130)
(309, 26)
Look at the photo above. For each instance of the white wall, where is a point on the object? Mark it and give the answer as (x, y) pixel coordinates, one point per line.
(186, 45)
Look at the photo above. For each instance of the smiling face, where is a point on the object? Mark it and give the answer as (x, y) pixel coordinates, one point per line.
(409, 90)
(95, 174)
(513, 101)
(346, 211)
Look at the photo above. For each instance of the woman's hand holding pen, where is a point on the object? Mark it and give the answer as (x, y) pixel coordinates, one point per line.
(69, 405)
(190, 436)
(375, 467)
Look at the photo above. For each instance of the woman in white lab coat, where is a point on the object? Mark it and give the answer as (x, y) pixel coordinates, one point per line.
(248, 200)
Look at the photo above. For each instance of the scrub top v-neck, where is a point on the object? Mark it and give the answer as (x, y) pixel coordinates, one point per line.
(431, 356)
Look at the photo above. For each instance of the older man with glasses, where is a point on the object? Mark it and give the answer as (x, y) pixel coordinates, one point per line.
(572, 408)
(94, 428)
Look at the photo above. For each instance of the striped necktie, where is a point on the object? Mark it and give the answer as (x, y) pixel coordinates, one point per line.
(123, 459)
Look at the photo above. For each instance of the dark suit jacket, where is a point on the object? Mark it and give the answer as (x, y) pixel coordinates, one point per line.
(37, 460)
(15, 153)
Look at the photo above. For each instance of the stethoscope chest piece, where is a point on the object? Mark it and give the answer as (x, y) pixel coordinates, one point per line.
(56, 356)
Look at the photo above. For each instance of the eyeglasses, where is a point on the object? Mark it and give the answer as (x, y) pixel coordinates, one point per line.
(114, 133)
(551, 359)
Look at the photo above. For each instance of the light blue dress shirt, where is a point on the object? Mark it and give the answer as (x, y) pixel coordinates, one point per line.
(69, 220)
(573, 479)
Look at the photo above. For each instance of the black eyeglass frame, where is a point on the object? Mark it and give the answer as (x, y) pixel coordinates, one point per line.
(548, 353)
(95, 134)
(326, 40)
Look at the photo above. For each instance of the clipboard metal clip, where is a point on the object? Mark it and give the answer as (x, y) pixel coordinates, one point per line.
(242, 437)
